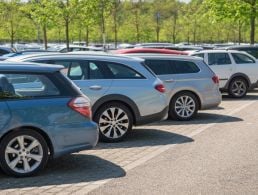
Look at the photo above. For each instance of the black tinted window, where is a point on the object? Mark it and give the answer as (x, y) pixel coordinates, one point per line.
(97, 71)
(160, 67)
(242, 58)
(184, 67)
(120, 71)
(218, 59)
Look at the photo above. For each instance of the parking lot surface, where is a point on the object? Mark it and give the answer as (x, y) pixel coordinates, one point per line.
(139, 164)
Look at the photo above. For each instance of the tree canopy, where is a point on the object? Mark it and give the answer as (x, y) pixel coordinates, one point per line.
(130, 21)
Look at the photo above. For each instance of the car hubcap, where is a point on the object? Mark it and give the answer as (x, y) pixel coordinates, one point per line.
(238, 88)
(23, 154)
(185, 106)
(114, 123)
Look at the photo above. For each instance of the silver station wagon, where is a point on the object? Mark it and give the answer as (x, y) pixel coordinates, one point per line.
(191, 85)
(122, 90)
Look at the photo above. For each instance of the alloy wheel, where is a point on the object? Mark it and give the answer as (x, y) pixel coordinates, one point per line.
(238, 88)
(114, 123)
(185, 106)
(23, 154)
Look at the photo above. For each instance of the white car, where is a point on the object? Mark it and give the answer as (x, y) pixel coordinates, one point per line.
(237, 70)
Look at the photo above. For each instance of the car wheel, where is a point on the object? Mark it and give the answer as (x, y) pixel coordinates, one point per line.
(184, 106)
(238, 88)
(115, 121)
(23, 153)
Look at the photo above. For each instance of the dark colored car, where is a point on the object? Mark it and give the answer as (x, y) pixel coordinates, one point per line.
(6, 50)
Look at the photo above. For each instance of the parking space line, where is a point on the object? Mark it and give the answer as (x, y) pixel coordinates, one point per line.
(162, 149)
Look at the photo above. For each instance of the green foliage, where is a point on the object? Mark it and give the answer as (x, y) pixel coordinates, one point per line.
(127, 20)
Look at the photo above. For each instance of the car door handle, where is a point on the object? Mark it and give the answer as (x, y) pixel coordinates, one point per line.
(170, 81)
(95, 87)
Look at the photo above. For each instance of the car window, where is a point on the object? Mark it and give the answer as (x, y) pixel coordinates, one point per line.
(73, 69)
(16, 86)
(242, 58)
(159, 67)
(218, 59)
(120, 71)
(201, 55)
(96, 70)
(184, 67)
(2, 52)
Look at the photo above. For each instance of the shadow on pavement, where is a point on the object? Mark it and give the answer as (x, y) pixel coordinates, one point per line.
(147, 137)
(202, 118)
(70, 169)
(250, 96)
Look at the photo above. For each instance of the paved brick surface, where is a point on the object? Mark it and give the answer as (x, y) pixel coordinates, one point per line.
(83, 172)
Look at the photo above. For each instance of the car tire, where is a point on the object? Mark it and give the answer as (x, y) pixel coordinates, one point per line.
(19, 158)
(183, 106)
(238, 88)
(115, 122)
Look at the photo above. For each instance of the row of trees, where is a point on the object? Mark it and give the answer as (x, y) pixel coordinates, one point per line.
(128, 21)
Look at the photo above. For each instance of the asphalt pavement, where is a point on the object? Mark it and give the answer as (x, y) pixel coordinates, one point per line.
(216, 153)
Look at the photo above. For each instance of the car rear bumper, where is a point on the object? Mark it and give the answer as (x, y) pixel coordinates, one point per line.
(212, 101)
(87, 137)
(152, 118)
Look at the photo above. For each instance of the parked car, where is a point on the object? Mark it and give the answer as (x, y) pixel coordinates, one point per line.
(123, 92)
(6, 50)
(73, 48)
(251, 49)
(237, 70)
(191, 85)
(149, 50)
(43, 115)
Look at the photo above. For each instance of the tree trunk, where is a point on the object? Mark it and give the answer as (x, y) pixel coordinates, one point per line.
(87, 36)
(67, 27)
(252, 23)
(67, 33)
(239, 32)
(137, 26)
(12, 35)
(115, 22)
(174, 28)
(45, 36)
(103, 26)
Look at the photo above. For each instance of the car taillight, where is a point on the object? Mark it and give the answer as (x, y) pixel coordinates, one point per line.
(161, 88)
(81, 105)
(215, 79)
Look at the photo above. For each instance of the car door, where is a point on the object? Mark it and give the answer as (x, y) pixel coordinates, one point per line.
(4, 115)
(97, 79)
(90, 76)
(246, 64)
(222, 65)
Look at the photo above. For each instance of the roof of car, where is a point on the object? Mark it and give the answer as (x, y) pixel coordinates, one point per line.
(149, 50)
(94, 55)
(219, 51)
(161, 56)
(28, 67)
(243, 47)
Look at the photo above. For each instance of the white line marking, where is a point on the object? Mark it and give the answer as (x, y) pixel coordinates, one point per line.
(162, 149)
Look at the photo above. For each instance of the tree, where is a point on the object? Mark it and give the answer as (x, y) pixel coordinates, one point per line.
(67, 10)
(43, 13)
(11, 17)
(238, 11)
